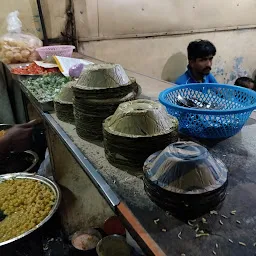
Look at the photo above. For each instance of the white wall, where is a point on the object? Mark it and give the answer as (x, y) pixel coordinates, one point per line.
(151, 36)
(104, 19)
(125, 25)
(165, 57)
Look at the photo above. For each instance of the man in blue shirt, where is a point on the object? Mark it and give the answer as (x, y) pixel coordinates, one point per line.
(200, 56)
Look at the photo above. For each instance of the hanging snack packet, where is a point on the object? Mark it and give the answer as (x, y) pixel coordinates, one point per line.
(15, 46)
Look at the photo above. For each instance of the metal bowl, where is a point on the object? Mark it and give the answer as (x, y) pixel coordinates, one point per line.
(52, 185)
(25, 76)
(20, 76)
(76, 251)
(15, 162)
(115, 244)
(19, 162)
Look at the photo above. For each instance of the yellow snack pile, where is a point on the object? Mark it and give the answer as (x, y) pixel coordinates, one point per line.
(2, 133)
(26, 203)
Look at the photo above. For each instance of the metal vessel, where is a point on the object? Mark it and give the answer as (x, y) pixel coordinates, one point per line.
(52, 185)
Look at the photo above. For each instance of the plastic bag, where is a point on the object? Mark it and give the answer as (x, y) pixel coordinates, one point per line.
(45, 168)
(16, 46)
(76, 70)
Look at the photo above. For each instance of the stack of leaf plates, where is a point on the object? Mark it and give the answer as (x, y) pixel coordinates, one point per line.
(97, 94)
(137, 129)
(185, 179)
(63, 104)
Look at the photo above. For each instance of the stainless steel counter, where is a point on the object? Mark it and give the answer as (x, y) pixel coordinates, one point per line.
(84, 162)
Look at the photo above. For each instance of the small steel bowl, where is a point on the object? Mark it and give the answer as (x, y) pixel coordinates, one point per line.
(19, 162)
(90, 252)
(113, 245)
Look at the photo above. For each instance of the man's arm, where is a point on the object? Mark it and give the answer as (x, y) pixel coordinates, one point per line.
(4, 145)
(18, 138)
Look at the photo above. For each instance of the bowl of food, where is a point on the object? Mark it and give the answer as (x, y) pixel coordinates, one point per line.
(85, 242)
(27, 201)
(17, 161)
(31, 70)
(13, 162)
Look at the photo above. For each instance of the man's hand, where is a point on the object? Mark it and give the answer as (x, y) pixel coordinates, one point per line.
(19, 137)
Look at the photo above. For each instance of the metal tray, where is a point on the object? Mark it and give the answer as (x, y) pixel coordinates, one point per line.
(45, 106)
(19, 162)
(52, 185)
(19, 76)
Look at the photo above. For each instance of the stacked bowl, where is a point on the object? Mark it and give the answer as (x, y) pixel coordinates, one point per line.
(137, 129)
(97, 94)
(63, 104)
(185, 179)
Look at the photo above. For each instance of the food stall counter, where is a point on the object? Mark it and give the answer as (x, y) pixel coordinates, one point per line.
(228, 231)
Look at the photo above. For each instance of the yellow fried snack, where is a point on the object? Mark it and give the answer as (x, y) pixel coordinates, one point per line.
(25, 203)
(2, 133)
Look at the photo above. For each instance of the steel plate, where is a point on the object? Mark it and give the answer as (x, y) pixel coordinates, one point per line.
(52, 185)
(21, 76)
(25, 76)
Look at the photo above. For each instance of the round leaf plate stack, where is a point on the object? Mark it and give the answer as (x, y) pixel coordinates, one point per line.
(97, 94)
(63, 104)
(185, 179)
(137, 129)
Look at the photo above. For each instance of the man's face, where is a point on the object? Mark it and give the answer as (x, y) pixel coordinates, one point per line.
(202, 65)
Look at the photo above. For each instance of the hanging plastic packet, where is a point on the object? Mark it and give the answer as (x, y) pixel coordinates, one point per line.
(15, 46)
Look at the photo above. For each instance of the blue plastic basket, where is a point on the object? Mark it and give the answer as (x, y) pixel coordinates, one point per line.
(236, 104)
